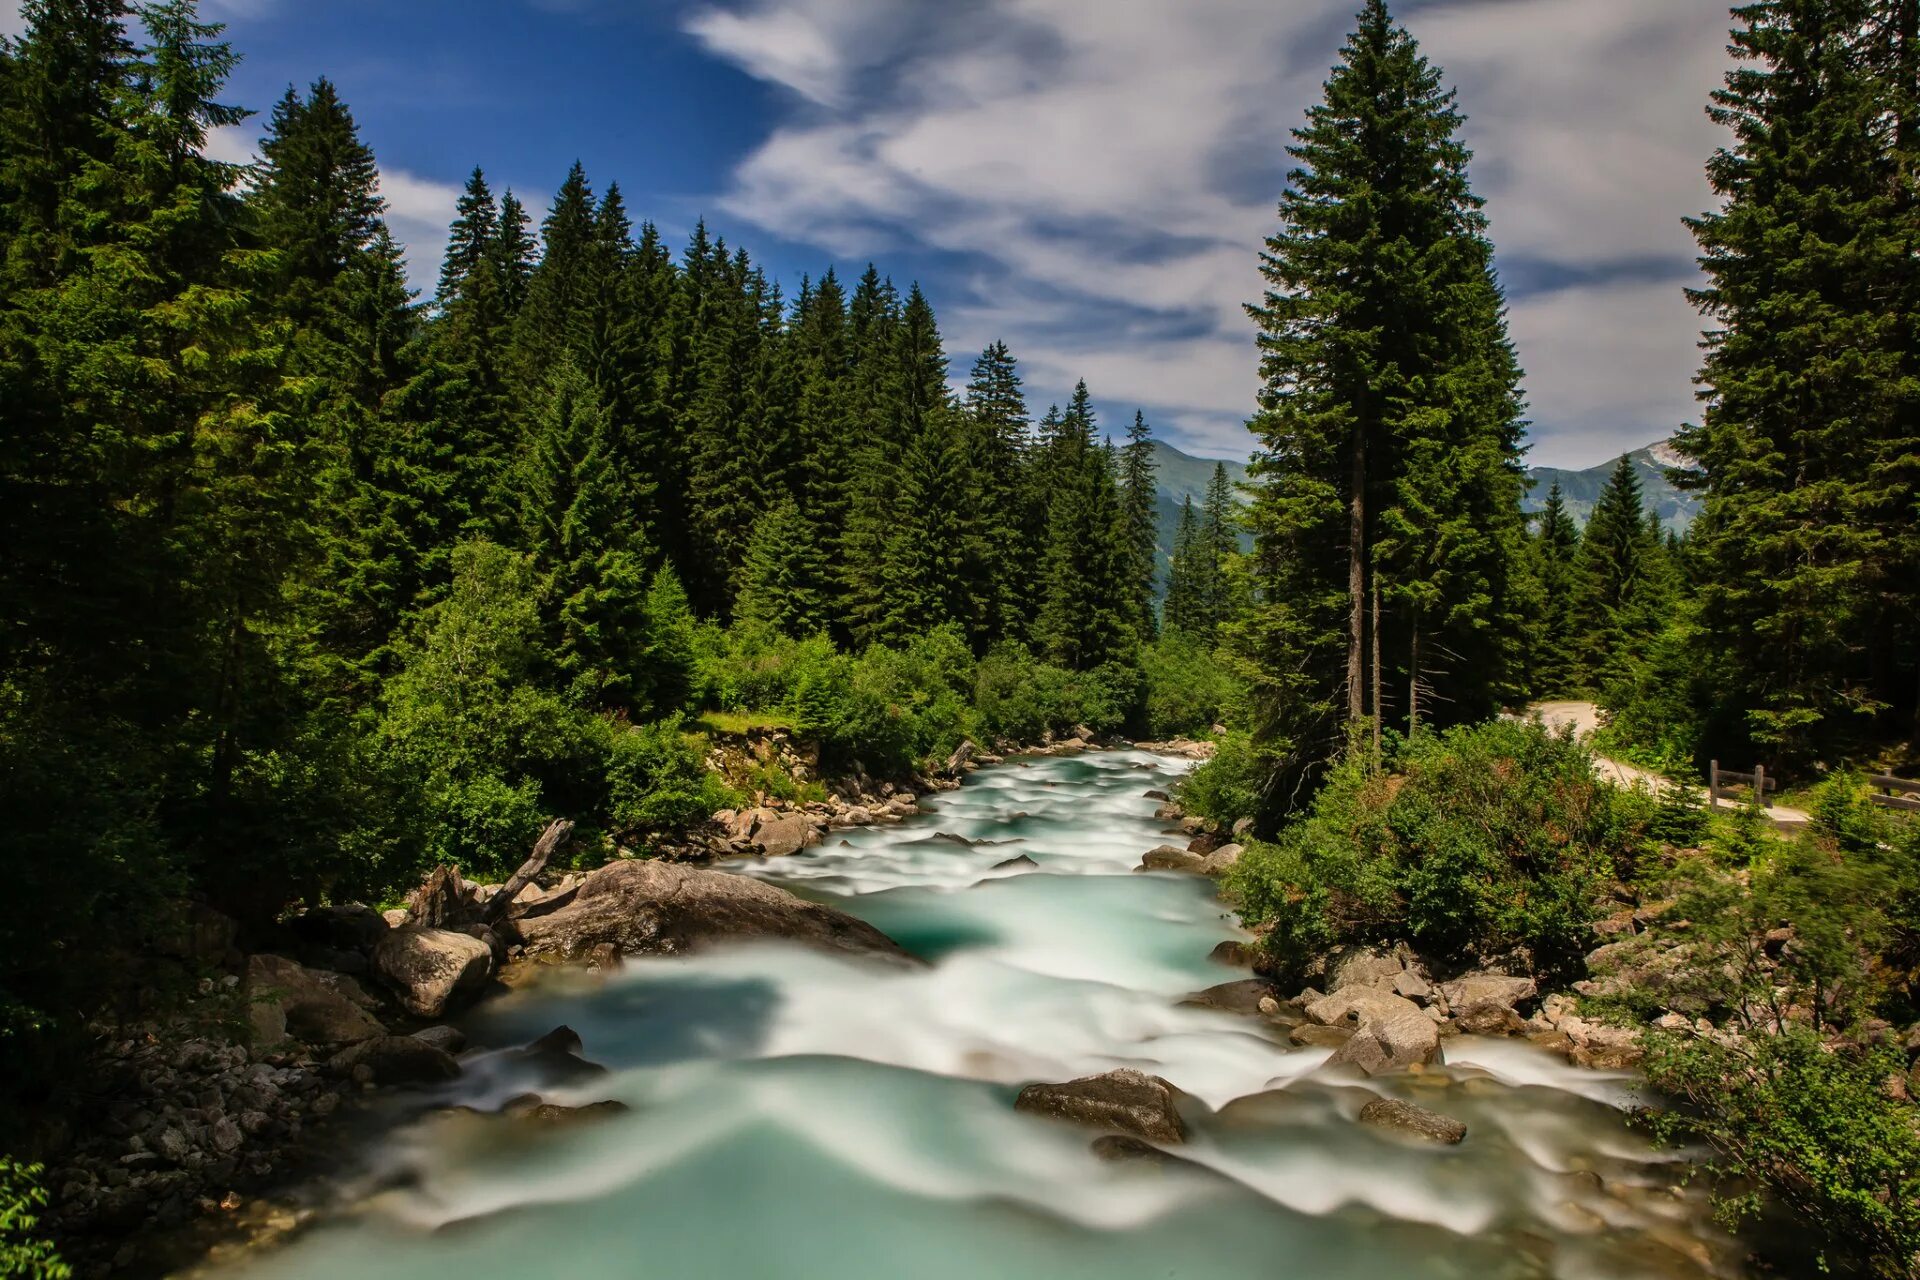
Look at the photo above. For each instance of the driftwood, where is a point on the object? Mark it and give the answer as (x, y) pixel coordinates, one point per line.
(441, 902)
(558, 832)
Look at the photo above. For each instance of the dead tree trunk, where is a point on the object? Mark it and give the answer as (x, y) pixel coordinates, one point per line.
(1357, 581)
(558, 832)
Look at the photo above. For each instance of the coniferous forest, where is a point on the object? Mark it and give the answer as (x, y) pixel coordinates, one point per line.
(312, 584)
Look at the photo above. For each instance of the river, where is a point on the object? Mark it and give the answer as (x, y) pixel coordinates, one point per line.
(802, 1117)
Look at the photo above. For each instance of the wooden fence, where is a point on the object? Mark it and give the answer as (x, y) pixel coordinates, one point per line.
(1895, 793)
(1718, 779)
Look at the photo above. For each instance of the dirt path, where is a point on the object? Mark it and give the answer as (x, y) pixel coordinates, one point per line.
(1584, 717)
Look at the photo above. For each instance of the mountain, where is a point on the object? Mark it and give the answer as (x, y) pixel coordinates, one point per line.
(1182, 476)
(1581, 489)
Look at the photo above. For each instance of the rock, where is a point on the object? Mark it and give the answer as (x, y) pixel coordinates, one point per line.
(395, 918)
(287, 1000)
(1018, 860)
(962, 754)
(1171, 858)
(1124, 1100)
(1155, 794)
(778, 835)
(1601, 1047)
(903, 806)
(1205, 843)
(1411, 985)
(659, 908)
(444, 1038)
(1169, 812)
(1489, 1020)
(395, 1060)
(1390, 1032)
(432, 971)
(859, 816)
(1363, 967)
(1242, 828)
(1120, 1148)
(1237, 955)
(225, 1134)
(553, 1113)
(1222, 859)
(1245, 996)
(1417, 1122)
(1314, 1036)
(1488, 988)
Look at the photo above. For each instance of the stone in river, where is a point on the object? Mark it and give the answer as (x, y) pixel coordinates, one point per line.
(1417, 1122)
(1127, 1101)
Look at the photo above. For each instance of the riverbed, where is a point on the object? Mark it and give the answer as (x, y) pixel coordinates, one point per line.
(797, 1116)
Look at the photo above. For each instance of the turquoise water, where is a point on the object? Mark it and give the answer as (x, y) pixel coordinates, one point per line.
(798, 1115)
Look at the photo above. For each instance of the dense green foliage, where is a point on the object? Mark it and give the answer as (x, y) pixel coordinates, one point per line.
(23, 1254)
(1472, 843)
(1808, 451)
(1386, 490)
(309, 585)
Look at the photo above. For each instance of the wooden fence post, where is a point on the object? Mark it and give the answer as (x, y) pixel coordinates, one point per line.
(1760, 786)
(1713, 785)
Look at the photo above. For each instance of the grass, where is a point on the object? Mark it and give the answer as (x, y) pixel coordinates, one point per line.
(736, 722)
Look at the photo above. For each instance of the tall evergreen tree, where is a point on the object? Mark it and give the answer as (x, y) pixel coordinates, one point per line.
(1620, 595)
(996, 408)
(783, 578)
(1557, 665)
(1139, 527)
(1386, 499)
(1806, 449)
(1185, 612)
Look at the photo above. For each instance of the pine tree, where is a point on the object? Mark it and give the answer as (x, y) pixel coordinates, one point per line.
(1620, 595)
(1807, 445)
(1556, 659)
(996, 410)
(475, 226)
(1213, 586)
(783, 578)
(1185, 614)
(1139, 527)
(1386, 492)
(1083, 621)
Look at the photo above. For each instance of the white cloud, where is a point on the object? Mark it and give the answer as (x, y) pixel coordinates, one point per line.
(1108, 173)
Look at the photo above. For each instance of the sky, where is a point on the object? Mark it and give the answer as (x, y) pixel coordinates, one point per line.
(1089, 180)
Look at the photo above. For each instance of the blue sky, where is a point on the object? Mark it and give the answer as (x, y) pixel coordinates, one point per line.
(1088, 179)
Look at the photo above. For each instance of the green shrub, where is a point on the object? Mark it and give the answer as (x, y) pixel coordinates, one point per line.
(1468, 844)
(1188, 688)
(1813, 1126)
(24, 1255)
(657, 778)
(1227, 787)
(1022, 699)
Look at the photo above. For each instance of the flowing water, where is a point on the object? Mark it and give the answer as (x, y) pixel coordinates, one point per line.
(801, 1116)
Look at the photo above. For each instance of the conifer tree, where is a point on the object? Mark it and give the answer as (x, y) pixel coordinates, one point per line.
(783, 577)
(1083, 621)
(996, 409)
(1213, 586)
(1139, 528)
(1389, 424)
(1807, 460)
(1556, 657)
(1185, 614)
(1620, 595)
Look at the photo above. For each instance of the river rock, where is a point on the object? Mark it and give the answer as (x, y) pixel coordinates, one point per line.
(444, 1038)
(1171, 858)
(1125, 1100)
(775, 833)
(1018, 860)
(432, 971)
(1245, 997)
(1363, 967)
(1390, 1032)
(658, 908)
(1415, 1122)
(396, 1060)
(551, 1113)
(1221, 860)
(1488, 988)
(1235, 955)
(287, 1000)
(1312, 1035)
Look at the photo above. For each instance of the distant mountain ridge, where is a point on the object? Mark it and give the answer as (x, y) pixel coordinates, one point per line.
(1182, 476)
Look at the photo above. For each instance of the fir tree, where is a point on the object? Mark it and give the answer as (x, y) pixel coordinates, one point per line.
(1557, 664)
(1139, 528)
(783, 578)
(1386, 491)
(996, 409)
(1620, 595)
(1185, 614)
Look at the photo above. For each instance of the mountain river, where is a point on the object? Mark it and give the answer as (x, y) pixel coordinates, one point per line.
(797, 1116)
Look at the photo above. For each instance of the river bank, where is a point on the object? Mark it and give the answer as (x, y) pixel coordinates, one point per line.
(797, 1112)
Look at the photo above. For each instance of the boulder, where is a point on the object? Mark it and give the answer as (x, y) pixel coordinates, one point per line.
(1416, 1122)
(962, 756)
(1171, 858)
(659, 908)
(1127, 1101)
(1363, 967)
(1489, 1020)
(1018, 860)
(396, 1060)
(1205, 843)
(554, 1114)
(286, 1000)
(1488, 988)
(1390, 1032)
(1236, 955)
(1244, 996)
(444, 1038)
(1242, 828)
(1311, 1035)
(778, 835)
(1221, 860)
(432, 971)
(1120, 1148)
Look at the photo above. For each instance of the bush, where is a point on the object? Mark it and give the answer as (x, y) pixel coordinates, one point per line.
(1188, 688)
(1813, 1126)
(1022, 699)
(1468, 844)
(657, 778)
(1227, 787)
(24, 1255)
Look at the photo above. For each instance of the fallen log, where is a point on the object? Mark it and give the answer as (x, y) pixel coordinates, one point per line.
(558, 832)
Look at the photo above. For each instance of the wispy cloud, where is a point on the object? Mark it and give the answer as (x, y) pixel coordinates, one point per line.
(1106, 174)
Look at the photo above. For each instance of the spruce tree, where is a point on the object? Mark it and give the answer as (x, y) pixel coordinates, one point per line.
(783, 578)
(1185, 613)
(996, 409)
(1386, 490)
(1807, 444)
(1213, 586)
(1138, 531)
(1557, 666)
(1620, 596)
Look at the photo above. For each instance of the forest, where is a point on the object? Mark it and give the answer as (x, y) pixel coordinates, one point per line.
(310, 584)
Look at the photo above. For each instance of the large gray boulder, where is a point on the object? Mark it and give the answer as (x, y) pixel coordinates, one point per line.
(775, 833)
(287, 1001)
(395, 1060)
(1488, 989)
(1172, 858)
(432, 971)
(1390, 1033)
(1125, 1101)
(1415, 1122)
(660, 908)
